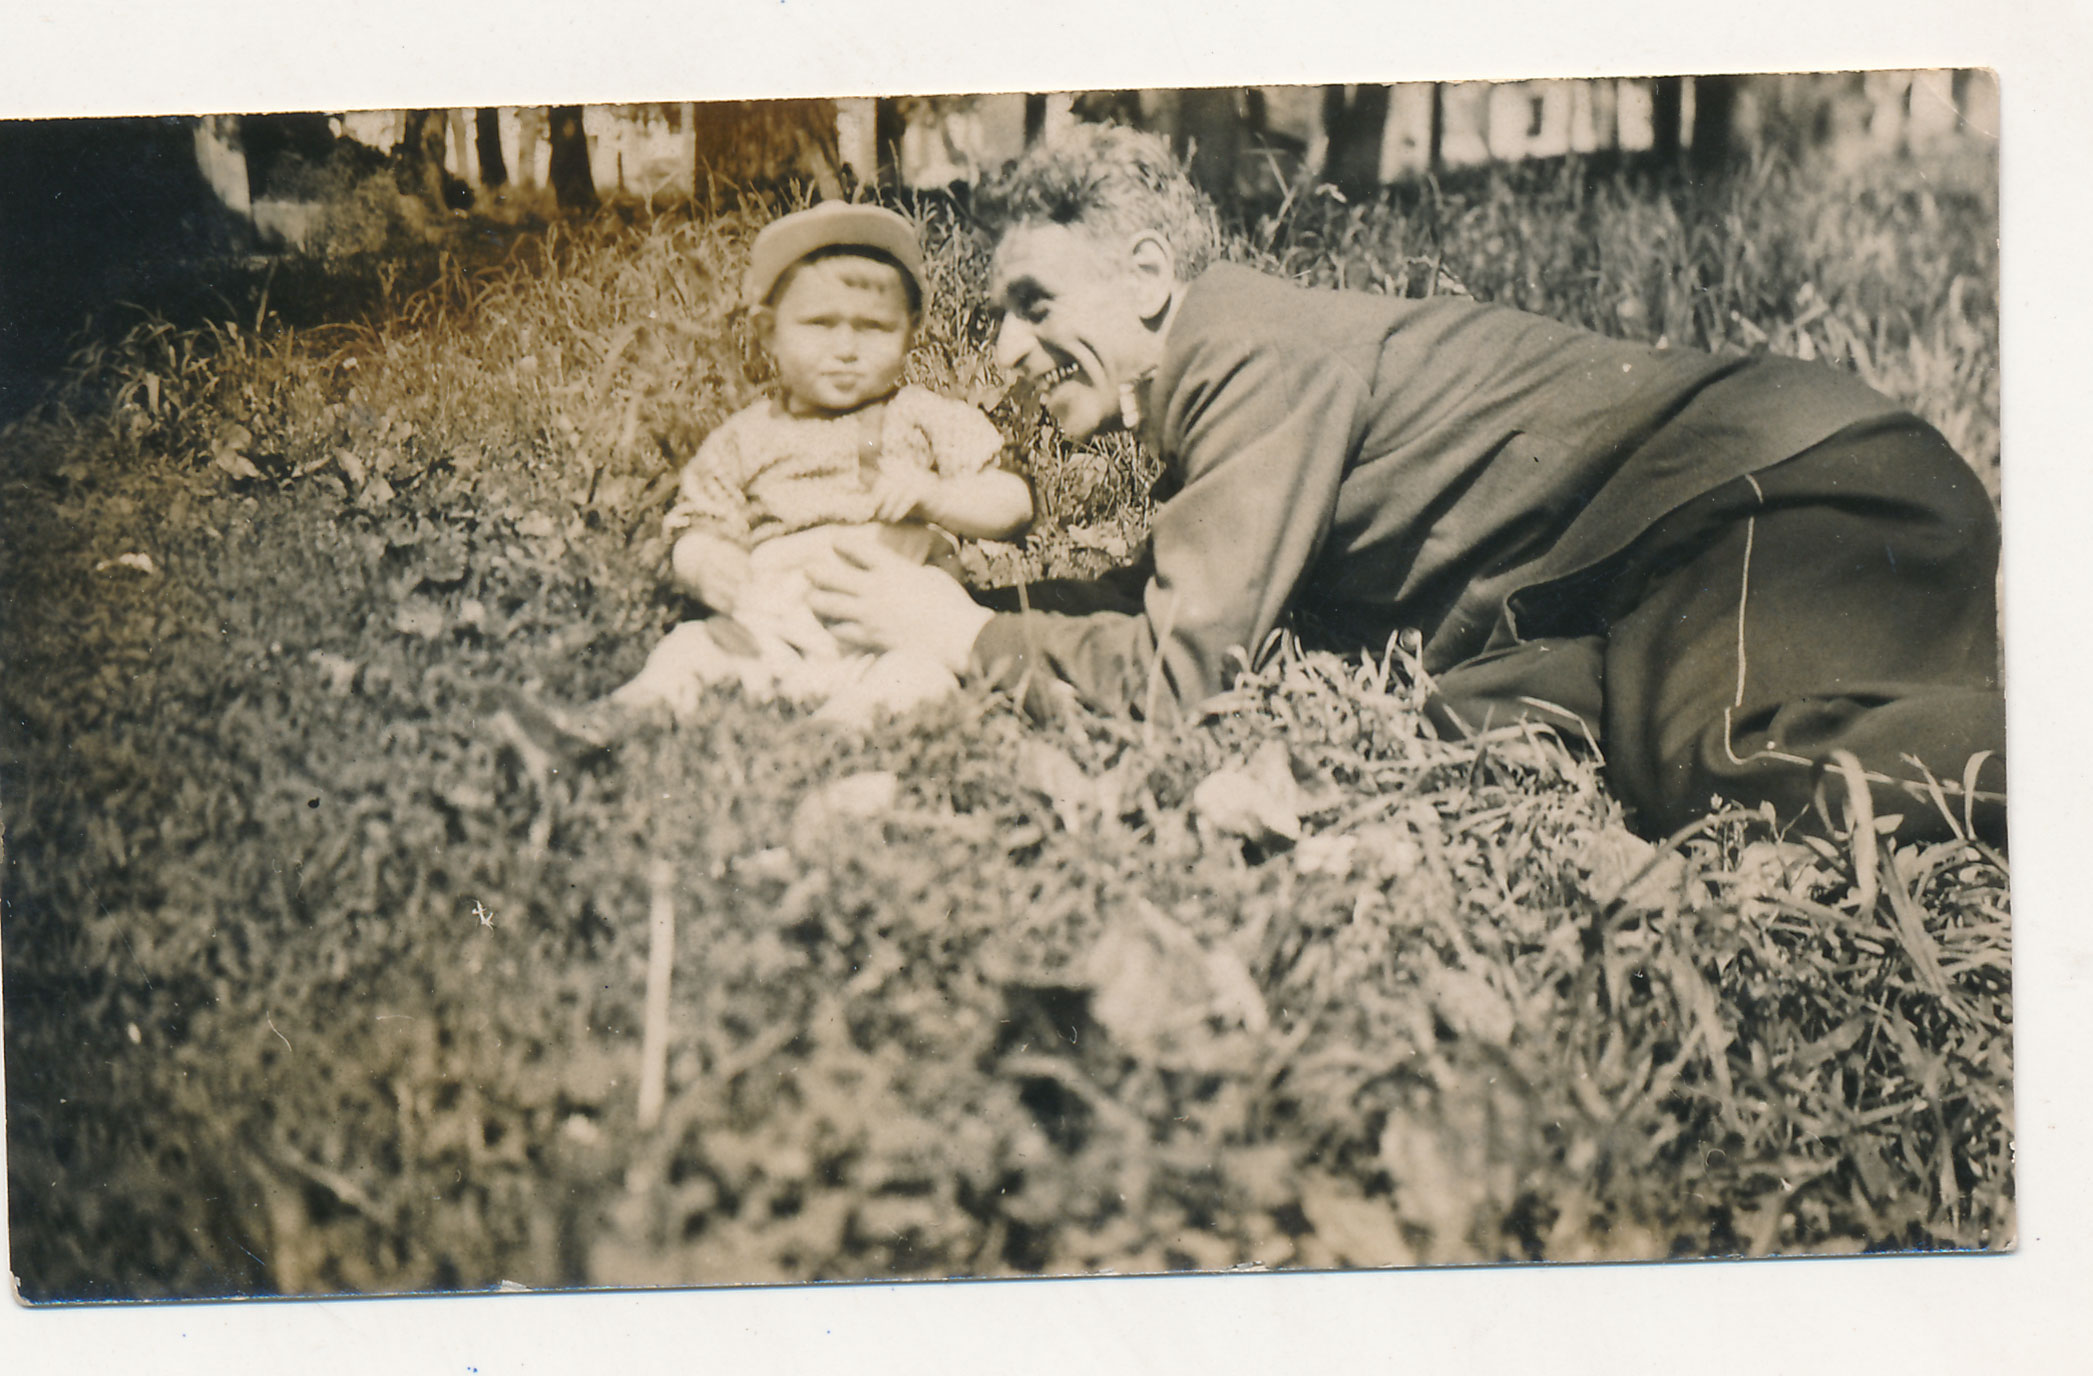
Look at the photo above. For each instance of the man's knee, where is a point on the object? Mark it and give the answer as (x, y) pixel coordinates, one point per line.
(1556, 682)
(1931, 755)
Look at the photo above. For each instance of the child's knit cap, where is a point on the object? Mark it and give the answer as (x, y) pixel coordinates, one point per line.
(832, 224)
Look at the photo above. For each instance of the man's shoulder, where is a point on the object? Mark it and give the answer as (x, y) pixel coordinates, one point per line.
(1234, 324)
(1248, 311)
(1234, 295)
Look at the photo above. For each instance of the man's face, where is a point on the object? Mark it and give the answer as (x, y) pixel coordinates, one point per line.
(1072, 322)
(838, 334)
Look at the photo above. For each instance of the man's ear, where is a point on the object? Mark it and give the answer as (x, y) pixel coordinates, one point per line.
(763, 319)
(1153, 268)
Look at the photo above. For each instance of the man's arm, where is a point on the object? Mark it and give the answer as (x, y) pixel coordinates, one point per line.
(1261, 434)
(1114, 590)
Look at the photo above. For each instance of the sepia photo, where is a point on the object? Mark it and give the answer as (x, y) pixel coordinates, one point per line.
(1242, 678)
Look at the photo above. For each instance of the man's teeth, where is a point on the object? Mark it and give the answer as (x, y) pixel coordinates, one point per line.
(1030, 389)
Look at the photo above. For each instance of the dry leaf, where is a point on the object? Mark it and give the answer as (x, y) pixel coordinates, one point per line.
(1361, 1231)
(1045, 769)
(1621, 866)
(1470, 1005)
(417, 617)
(1326, 854)
(870, 793)
(1156, 986)
(234, 462)
(1260, 803)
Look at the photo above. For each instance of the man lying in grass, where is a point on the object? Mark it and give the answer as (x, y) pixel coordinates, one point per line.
(1728, 573)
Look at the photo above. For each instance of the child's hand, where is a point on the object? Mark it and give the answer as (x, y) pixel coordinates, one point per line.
(903, 496)
(711, 569)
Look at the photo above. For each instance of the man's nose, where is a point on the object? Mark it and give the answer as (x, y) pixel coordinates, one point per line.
(1014, 339)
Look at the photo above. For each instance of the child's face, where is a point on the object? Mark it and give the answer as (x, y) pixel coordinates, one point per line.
(838, 334)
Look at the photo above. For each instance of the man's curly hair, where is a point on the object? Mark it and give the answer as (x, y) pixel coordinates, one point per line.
(1106, 179)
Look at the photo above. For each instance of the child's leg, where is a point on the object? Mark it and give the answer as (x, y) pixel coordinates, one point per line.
(893, 682)
(775, 601)
(920, 544)
(775, 609)
(689, 659)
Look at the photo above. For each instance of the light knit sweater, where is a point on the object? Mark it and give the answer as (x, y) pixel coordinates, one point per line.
(765, 472)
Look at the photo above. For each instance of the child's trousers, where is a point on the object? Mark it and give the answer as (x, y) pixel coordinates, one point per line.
(775, 647)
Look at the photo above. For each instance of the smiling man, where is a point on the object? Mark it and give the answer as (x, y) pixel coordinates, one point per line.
(1729, 573)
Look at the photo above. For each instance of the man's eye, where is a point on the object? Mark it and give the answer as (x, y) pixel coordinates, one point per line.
(1027, 304)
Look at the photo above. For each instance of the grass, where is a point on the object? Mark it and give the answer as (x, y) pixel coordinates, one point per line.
(312, 984)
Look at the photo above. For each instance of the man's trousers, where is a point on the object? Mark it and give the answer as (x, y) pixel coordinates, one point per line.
(1842, 601)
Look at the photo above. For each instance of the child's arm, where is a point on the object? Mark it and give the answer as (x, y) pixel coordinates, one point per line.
(710, 521)
(969, 496)
(993, 504)
(710, 568)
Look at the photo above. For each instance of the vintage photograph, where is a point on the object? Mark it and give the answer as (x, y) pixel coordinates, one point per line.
(1109, 682)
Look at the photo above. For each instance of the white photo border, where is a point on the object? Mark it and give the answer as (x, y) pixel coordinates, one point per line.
(108, 57)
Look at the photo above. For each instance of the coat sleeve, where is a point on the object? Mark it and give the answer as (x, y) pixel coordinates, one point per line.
(710, 494)
(1260, 435)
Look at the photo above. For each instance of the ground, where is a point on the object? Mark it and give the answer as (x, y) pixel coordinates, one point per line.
(315, 980)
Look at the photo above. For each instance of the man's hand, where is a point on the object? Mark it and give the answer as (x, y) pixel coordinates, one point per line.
(899, 496)
(873, 598)
(710, 569)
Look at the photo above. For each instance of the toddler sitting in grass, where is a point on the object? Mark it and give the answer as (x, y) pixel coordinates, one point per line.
(835, 293)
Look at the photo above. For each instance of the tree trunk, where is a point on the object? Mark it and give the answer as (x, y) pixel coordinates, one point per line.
(760, 145)
(494, 169)
(889, 123)
(1355, 125)
(573, 185)
(273, 140)
(1714, 121)
(1433, 156)
(1667, 108)
(420, 152)
(1606, 116)
(1209, 134)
